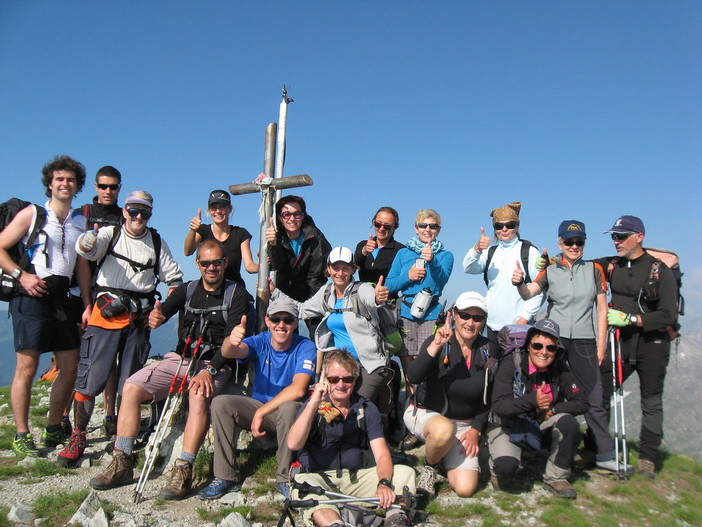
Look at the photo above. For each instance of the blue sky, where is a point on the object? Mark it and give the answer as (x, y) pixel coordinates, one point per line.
(581, 110)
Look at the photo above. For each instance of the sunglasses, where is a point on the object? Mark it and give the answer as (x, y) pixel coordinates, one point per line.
(538, 346)
(571, 242)
(113, 186)
(468, 316)
(379, 225)
(510, 225)
(287, 215)
(285, 320)
(206, 263)
(432, 226)
(133, 213)
(348, 379)
(621, 236)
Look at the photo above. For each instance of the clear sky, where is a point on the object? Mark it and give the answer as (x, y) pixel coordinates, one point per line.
(580, 110)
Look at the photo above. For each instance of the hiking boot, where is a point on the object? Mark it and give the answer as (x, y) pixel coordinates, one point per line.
(560, 488)
(410, 441)
(73, 452)
(25, 446)
(180, 483)
(284, 488)
(646, 468)
(399, 519)
(66, 426)
(53, 439)
(217, 489)
(427, 481)
(110, 427)
(618, 468)
(119, 472)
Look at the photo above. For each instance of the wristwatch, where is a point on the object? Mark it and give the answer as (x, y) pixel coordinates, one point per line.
(633, 319)
(211, 370)
(16, 273)
(387, 483)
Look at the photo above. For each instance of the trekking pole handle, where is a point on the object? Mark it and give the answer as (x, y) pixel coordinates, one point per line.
(198, 343)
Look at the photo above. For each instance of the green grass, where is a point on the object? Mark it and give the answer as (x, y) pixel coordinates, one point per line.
(218, 515)
(4, 522)
(58, 507)
(39, 469)
(7, 435)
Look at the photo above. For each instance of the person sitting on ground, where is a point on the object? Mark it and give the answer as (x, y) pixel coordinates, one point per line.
(333, 432)
(450, 407)
(550, 399)
(212, 299)
(284, 366)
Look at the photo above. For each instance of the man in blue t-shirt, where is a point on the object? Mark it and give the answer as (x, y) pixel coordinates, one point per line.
(284, 365)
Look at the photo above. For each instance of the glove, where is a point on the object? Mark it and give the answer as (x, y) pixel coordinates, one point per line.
(617, 318)
(88, 241)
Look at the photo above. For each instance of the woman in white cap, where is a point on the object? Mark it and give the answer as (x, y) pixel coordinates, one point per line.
(450, 406)
(350, 320)
(236, 241)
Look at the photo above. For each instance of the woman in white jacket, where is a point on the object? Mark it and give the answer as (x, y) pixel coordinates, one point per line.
(350, 320)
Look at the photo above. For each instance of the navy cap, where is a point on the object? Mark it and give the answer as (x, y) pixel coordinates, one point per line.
(628, 224)
(219, 196)
(571, 229)
(547, 326)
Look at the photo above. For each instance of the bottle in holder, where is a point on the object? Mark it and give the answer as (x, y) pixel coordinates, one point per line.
(422, 301)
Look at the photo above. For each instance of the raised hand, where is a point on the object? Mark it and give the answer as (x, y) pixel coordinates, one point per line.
(518, 275)
(238, 333)
(427, 253)
(381, 292)
(371, 245)
(156, 317)
(445, 332)
(271, 235)
(483, 242)
(271, 285)
(542, 261)
(196, 221)
(88, 238)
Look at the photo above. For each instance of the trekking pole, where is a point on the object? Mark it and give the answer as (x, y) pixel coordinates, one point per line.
(620, 390)
(305, 488)
(613, 402)
(172, 400)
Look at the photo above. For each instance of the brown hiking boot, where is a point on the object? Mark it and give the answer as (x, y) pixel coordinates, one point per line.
(180, 483)
(119, 472)
(646, 468)
(560, 488)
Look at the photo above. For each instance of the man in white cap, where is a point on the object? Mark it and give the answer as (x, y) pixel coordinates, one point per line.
(284, 364)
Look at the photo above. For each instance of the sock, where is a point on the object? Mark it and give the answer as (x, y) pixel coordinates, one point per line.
(21, 434)
(187, 456)
(125, 444)
(53, 428)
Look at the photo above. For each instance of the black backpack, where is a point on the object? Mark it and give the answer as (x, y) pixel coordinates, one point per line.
(526, 245)
(19, 253)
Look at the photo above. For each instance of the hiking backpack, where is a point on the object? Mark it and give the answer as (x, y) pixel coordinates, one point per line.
(136, 266)
(21, 253)
(524, 256)
(388, 321)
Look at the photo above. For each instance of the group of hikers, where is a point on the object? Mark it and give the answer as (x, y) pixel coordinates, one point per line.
(483, 373)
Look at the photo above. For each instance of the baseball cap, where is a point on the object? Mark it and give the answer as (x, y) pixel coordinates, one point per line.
(548, 326)
(471, 299)
(340, 254)
(571, 229)
(139, 197)
(282, 305)
(628, 224)
(219, 196)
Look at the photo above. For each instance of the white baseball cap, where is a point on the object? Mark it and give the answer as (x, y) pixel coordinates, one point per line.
(340, 254)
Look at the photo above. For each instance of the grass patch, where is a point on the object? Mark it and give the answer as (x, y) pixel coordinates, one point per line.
(218, 515)
(7, 436)
(4, 522)
(202, 468)
(38, 411)
(40, 469)
(58, 508)
(564, 513)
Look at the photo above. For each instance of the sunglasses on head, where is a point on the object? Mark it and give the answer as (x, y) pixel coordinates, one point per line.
(538, 346)
(621, 236)
(432, 226)
(206, 263)
(287, 214)
(571, 242)
(285, 320)
(468, 316)
(133, 213)
(379, 225)
(104, 186)
(348, 379)
(510, 225)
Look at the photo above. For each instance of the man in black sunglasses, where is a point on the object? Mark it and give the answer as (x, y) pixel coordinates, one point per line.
(284, 365)
(644, 306)
(132, 259)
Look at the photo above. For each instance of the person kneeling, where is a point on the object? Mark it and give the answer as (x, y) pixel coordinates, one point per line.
(536, 396)
(332, 433)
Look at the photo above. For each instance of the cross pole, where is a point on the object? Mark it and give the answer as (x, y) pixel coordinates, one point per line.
(267, 185)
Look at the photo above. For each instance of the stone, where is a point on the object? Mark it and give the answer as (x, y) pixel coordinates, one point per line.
(87, 510)
(234, 520)
(21, 514)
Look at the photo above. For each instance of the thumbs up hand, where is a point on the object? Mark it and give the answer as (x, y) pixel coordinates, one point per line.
(518, 275)
(87, 239)
(156, 317)
(483, 241)
(381, 292)
(271, 236)
(370, 246)
(196, 221)
(542, 261)
(238, 333)
(427, 253)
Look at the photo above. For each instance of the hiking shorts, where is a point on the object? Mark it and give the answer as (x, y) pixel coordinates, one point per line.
(415, 332)
(37, 327)
(416, 419)
(156, 378)
(102, 349)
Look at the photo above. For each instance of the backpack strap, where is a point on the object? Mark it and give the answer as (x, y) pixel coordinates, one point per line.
(35, 229)
(524, 256)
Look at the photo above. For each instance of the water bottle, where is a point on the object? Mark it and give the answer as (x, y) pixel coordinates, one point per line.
(422, 301)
